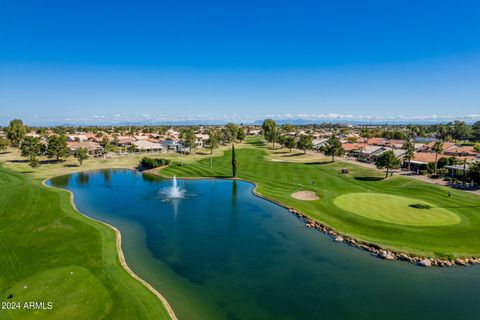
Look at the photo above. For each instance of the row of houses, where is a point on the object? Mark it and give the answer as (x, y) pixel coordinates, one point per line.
(369, 149)
(96, 149)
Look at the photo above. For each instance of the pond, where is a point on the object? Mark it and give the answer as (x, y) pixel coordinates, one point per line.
(223, 253)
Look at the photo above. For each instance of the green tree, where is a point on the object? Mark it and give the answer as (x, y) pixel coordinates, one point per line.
(213, 140)
(287, 128)
(234, 162)
(189, 139)
(16, 131)
(409, 151)
(269, 128)
(476, 130)
(474, 172)
(31, 149)
(387, 160)
(213, 143)
(106, 144)
(34, 162)
(232, 129)
(57, 147)
(240, 134)
(290, 142)
(333, 147)
(281, 140)
(461, 130)
(437, 148)
(305, 143)
(3, 144)
(81, 154)
(476, 147)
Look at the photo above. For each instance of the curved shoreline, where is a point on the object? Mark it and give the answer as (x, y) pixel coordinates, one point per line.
(121, 256)
(374, 249)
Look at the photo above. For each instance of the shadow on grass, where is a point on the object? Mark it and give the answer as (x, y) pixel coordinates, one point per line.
(71, 165)
(257, 143)
(369, 178)
(420, 206)
(51, 161)
(18, 161)
(318, 162)
(293, 155)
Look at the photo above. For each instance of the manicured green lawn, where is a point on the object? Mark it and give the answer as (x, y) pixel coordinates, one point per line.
(278, 180)
(395, 209)
(50, 253)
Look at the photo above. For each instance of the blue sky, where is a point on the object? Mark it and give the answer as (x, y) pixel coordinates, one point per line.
(113, 61)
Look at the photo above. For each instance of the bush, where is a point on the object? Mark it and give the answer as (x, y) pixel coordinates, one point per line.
(150, 163)
(424, 172)
(434, 176)
(442, 172)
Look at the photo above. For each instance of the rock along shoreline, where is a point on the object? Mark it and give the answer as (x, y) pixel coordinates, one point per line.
(374, 249)
(377, 251)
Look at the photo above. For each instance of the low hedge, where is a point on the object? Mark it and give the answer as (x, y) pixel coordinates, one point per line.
(150, 163)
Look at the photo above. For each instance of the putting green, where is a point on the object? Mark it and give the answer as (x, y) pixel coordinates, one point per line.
(396, 209)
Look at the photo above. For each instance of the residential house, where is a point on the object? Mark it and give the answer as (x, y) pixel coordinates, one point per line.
(94, 148)
(353, 149)
(318, 143)
(76, 138)
(147, 146)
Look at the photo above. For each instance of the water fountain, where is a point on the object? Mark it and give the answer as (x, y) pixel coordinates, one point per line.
(173, 192)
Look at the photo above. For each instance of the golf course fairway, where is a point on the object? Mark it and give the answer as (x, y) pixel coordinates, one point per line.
(396, 209)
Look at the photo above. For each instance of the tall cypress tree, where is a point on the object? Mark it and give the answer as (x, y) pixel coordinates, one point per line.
(234, 162)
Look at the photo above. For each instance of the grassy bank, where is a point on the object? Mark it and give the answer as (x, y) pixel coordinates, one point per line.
(278, 180)
(48, 168)
(50, 253)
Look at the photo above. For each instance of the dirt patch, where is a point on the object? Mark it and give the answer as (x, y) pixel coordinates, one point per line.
(305, 195)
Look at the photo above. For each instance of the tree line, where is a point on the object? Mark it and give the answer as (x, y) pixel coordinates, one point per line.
(55, 146)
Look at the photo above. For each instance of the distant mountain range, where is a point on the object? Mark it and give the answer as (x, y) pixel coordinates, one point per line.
(297, 121)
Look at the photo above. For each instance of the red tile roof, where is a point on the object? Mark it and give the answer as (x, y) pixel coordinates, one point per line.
(427, 157)
(353, 146)
(376, 141)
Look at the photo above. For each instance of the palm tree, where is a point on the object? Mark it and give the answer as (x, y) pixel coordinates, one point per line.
(213, 141)
(409, 151)
(437, 148)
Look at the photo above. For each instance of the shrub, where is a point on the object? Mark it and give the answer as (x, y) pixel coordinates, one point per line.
(442, 172)
(424, 172)
(150, 163)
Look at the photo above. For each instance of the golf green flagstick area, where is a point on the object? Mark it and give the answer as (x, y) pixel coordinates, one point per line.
(50, 253)
(395, 209)
(403, 214)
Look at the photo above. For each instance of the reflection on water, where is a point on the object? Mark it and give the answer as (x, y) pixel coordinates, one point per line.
(83, 178)
(226, 254)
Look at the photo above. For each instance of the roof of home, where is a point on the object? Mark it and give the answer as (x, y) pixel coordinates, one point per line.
(90, 145)
(147, 145)
(376, 141)
(462, 150)
(353, 146)
(395, 142)
(125, 140)
(369, 149)
(446, 145)
(319, 141)
(81, 137)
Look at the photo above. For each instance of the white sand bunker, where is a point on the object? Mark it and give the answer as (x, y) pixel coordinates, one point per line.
(305, 195)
